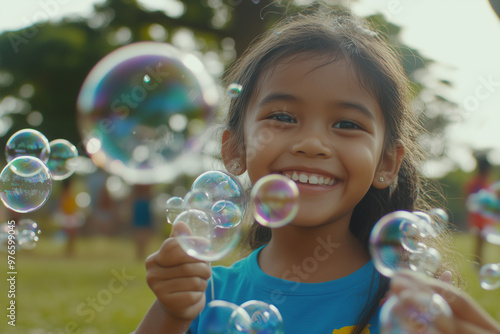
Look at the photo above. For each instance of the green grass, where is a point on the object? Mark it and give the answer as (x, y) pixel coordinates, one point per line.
(56, 294)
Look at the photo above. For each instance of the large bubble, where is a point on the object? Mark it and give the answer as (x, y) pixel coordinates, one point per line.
(25, 184)
(141, 109)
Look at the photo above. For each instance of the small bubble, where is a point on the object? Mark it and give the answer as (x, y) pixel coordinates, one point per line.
(234, 90)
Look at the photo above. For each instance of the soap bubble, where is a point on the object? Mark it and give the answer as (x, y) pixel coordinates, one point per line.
(142, 108)
(175, 205)
(201, 238)
(198, 199)
(234, 90)
(226, 214)
(275, 200)
(62, 162)
(266, 318)
(413, 314)
(489, 276)
(219, 186)
(25, 184)
(394, 238)
(425, 260)
(27, 142)
(222, 317)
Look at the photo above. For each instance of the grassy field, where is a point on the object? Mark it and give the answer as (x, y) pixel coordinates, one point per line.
(103, 290)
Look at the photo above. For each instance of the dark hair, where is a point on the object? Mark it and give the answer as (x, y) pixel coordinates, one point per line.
(343, 36)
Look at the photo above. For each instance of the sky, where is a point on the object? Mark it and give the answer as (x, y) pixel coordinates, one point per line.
(461, 36)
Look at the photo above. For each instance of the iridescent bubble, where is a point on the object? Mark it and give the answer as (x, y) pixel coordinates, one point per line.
(266, 318)
(489, 276)
(226, 214)
(62, 160)
(389, 247)
(426, 224)
(234, 90)
(222, 317)
(175, 205)
(198, 199)
(201, 238)
(141, 109)
(275, 200)
(415, 313)
(425, 260)
(27, 142)
(25, 184)
(221, 186)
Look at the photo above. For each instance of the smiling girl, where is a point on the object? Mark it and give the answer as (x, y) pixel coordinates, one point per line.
(324, 102)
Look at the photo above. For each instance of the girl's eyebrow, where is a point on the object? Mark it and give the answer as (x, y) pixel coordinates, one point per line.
(359, 107)
(274, 97)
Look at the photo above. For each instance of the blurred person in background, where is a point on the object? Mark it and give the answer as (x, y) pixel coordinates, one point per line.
(476, 221)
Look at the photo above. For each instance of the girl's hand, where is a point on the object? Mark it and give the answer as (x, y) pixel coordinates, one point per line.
(467, 316)
(178, 280)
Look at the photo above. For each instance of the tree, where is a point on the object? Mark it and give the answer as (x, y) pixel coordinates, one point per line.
(42, 67)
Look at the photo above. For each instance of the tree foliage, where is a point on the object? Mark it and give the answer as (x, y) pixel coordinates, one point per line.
(42, 67)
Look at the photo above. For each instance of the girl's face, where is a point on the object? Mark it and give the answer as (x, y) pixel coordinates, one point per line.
(311, 120)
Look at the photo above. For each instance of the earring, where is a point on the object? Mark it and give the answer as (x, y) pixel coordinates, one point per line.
(381, 179)
(235, 167)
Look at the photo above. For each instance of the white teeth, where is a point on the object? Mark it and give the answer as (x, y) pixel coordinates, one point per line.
(312, 179)
(303, 178)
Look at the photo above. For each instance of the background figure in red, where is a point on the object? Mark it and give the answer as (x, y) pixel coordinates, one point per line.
(142, 218)
(476, 221)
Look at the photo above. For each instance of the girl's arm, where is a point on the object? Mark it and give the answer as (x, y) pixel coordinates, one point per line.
(179, 282)
(468, 316)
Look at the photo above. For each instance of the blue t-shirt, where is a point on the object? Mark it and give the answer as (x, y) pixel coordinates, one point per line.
(328, 307)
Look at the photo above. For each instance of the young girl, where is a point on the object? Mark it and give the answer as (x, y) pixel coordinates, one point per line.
(324, 102)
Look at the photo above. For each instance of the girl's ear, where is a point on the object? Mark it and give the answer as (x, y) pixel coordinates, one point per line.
(233, 153)
(388, 168)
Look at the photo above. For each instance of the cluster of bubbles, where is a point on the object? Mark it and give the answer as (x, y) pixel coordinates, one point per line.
(210, 215)
(253, 316)
(208, 221)
(142, 109)
(402, 240)
(26, 233)
(32, 163)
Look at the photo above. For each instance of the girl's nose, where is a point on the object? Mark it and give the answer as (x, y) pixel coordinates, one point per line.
(312, 145)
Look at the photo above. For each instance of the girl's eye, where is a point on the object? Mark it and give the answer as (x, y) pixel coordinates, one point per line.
(346, 125)
(283, 117)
